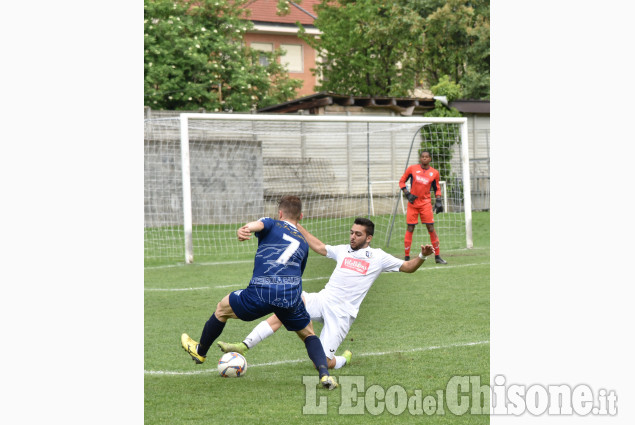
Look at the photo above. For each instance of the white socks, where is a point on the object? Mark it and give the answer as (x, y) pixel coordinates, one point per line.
(339, 362)
(260, 332)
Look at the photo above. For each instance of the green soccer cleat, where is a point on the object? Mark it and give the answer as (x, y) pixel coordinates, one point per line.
(238, 347)
(191, 347)
(328, 382)
(348, 356)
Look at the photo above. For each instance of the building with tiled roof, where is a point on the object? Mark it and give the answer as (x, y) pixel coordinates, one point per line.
(272, 31)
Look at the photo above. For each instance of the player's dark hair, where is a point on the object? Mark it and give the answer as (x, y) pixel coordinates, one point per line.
(291, 206)
(425, 151)
(369, 225)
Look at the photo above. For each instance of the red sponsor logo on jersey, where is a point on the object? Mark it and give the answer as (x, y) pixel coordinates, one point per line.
(359, 266)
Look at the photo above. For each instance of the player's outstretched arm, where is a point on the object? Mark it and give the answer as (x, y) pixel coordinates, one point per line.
(314, 243)
(411, 266)
(244, 233)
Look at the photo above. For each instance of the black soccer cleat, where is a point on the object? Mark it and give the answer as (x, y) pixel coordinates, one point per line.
(439, 260)
(407, 258)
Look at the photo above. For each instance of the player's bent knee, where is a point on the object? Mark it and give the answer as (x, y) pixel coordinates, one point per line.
(331, 363)
(224, 311)
(306, 332)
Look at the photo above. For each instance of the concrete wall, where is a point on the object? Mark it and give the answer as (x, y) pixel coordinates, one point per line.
(227, 183)
(479, 139)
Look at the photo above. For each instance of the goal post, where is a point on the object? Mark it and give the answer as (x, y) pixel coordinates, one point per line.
(187, 190)
(467, 186)
(207, 174)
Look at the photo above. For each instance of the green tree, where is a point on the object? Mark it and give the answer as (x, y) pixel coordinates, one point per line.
(379, 48)
(451, 90)
(439, 139)
(370, 47)
(457, 44)
(194, 58)
(475, 81)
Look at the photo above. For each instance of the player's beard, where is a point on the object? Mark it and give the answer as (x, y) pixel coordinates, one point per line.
(356, 247)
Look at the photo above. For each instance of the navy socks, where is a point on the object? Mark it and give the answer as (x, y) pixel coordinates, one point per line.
(316, 354)
(212, 330)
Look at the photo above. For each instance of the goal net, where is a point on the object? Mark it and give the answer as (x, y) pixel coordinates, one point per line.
(207, 174)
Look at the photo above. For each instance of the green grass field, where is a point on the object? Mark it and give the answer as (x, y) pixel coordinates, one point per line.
(414, 330)
(217, 242)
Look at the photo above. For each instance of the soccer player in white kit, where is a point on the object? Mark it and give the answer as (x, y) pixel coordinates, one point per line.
(337, 305)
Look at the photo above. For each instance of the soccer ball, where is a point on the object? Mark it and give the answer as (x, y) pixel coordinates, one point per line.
(232, 365)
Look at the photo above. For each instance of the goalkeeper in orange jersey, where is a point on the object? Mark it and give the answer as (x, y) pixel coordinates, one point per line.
(423, 179)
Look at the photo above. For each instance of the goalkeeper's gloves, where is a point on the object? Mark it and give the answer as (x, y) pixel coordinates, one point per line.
(410, 196)
(438, 206)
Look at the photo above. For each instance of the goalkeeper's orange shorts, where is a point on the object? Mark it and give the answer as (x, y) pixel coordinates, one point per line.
(423, 210)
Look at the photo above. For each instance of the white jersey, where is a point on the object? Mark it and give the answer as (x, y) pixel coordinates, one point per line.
(355, 273)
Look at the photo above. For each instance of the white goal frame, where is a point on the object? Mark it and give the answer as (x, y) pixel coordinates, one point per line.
(186, 118)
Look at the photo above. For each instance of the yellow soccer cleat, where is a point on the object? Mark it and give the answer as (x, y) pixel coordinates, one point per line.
(191, 347)
(328, 382)
(348, 356)
(238, 347)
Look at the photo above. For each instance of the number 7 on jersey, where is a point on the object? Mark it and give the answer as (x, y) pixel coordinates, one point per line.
(293, 247)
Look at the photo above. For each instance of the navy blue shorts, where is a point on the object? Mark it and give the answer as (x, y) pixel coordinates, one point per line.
(248, 306)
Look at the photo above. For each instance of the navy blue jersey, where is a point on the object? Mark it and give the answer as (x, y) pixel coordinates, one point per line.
(279, 263)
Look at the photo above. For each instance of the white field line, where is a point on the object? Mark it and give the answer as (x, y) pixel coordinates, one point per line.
(233, 285)
(176, 289)
(423, 268)
(242, 285)
(222, 263)
(379, 353)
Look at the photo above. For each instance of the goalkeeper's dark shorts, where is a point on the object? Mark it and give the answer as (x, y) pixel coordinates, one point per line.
(421, 208)
(248, 305)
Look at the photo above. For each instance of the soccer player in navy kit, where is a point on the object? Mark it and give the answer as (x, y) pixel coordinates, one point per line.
(275, 287)
(337, 305)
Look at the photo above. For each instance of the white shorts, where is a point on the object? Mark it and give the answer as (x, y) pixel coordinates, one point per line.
(337, 323)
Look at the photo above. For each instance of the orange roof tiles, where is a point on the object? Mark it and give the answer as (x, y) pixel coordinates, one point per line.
(265, 11)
